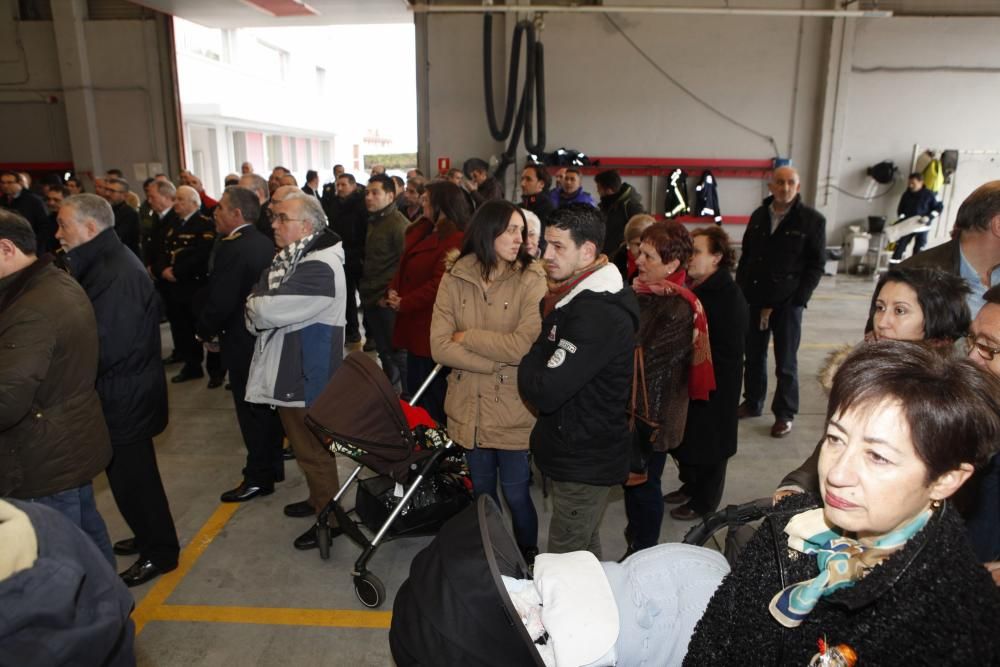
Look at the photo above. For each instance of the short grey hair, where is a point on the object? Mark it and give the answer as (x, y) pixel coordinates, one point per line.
(257, 183)
(119, 181)
(310, 208)
(165, 189)
(91, 207)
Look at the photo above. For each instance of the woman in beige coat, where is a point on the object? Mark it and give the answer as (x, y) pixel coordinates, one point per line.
(486, 317)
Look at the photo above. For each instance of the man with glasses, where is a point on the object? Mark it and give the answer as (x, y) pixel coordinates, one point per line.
(19, 199)
(126, 218)
(296, 310)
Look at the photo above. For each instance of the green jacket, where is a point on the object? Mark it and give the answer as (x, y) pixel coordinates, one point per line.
(383, 247)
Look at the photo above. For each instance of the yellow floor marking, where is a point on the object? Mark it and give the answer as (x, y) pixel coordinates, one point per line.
(325, 618)
(163, 588)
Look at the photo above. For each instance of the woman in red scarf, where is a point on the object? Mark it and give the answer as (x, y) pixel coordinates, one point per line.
(673, 366)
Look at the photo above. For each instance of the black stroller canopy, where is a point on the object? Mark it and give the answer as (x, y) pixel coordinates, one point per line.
(454, 608)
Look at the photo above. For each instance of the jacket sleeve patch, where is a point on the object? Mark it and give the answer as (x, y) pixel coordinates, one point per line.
(557, 358)
(566, 345)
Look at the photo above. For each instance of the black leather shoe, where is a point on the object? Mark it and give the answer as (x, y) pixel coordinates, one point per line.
(215, 382)
(186, 375)
(299, 509)
(244, 492)
(310, 540)
(172, 359)
(125, 547)
(142, 570)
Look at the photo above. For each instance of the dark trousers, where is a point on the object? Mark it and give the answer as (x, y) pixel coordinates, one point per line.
(180, 313)
(380, 322)
(138, 491)
(644, 505)
(514, 468)
(262, 433)
(920, 239)
(78, 505)
(351, 279)
(703, 484)
(432, 400)
(786, 324)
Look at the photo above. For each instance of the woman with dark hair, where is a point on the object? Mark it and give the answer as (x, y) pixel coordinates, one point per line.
(925, 305)
(485, 319)
(711, 433)
(877, 565)
(411, 293)
(920, 304)
(673, 365)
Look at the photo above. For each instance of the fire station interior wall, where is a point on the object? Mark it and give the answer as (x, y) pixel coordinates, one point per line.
(936, 88)
(125, 81)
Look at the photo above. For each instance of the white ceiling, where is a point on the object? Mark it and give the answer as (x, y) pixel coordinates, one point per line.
(238, 14)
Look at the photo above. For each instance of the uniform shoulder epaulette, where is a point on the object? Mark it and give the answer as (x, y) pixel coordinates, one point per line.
(233, 236)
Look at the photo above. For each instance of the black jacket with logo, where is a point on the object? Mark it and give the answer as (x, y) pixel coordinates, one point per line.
(578, 377)
(786, 266)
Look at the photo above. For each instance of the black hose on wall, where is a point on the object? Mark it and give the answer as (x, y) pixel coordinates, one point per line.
(532, 93)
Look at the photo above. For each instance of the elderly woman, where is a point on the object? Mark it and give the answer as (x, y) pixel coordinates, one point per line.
(625, 256)
(486, 317)
(878, 564)
(711, 433)
(926, 305)
(533, 239)
(412, 291)
(672, 365)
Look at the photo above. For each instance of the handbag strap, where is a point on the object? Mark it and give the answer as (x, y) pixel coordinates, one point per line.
(639, 379)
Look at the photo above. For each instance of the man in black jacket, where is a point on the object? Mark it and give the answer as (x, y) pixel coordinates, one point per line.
(784, 249)
(619, 202)
(345, 210)
(126, 218)
(243, 254)
(19, 199)
(130, 379)
(578, 376)
(919, 202)
(535, 197)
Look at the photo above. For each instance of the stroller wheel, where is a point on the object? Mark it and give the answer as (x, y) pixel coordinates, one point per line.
(369, 590)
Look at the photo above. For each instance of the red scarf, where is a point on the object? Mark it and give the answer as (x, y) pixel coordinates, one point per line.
(701, 379)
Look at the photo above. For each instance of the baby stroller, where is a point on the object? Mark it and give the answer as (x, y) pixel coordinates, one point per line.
(736, 520)
(421, 480)
(456, 609)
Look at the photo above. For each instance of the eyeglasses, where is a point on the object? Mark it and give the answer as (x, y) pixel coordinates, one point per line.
(283, 219)
(985, 351)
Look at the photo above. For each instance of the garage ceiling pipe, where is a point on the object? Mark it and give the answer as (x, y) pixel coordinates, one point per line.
(421, 8)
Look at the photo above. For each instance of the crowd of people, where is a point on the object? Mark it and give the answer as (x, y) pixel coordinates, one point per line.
(580, 336)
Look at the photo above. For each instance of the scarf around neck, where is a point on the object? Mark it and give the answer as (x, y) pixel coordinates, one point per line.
(286, 258)
(701, 378)
(559, 289)
(842, 561)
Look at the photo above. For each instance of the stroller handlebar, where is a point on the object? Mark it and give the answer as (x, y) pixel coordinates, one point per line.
(731, 514)
(427, 382)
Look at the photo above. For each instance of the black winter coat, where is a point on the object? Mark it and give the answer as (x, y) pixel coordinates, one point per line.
(930, 603)
(540, 204)
(31, 207)
(240, 260)
(130, 377)
(666, 324)
(578, 377)
(349, 219)
(618, 209)
(712, 425)
(127, 226)
(786, 266)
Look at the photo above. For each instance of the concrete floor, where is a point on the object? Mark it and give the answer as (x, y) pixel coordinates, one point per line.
(244, 595)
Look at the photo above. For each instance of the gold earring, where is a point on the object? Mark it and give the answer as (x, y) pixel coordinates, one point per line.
(936, 504)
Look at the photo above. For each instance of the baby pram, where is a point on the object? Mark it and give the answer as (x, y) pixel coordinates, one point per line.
(455, 608)
(420, 482)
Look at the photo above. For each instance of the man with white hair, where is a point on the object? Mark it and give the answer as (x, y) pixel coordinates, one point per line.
(130, 379)
(182, 265)
(246, 168)
(259, 186)
(297, 312)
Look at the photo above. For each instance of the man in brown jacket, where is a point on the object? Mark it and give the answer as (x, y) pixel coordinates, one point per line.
(53, 438)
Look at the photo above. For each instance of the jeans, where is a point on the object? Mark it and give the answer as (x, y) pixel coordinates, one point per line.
(515, 475)
(786, 323)
(644, 505)
(380, 323)
(78, 506)
(920, 240)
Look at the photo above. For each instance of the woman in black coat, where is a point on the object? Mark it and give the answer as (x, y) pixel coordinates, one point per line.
(710, 434)
(881, 568)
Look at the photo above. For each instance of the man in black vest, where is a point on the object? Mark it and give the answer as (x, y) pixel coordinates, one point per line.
(243, 253)
(783, 256)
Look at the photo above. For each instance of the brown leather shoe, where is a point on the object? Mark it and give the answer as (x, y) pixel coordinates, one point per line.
(781, 428)
(676, 497)
(744, 411)
(684, 513)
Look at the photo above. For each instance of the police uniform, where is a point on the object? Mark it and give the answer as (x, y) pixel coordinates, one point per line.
(240, 259)
(187, 246)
